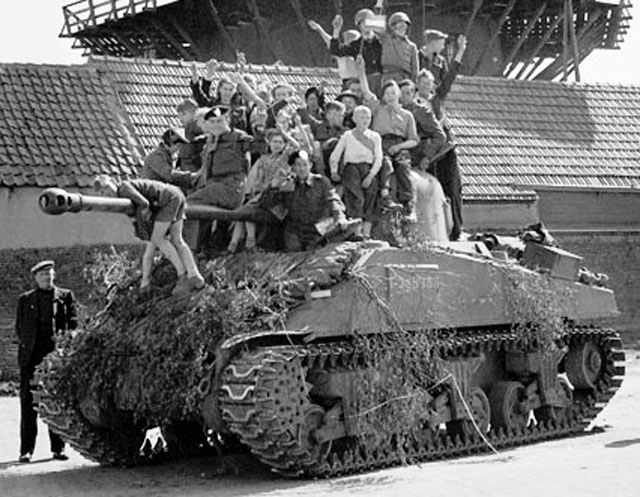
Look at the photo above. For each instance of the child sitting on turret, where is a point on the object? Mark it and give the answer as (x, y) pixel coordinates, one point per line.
(164, 205)
(267, 168)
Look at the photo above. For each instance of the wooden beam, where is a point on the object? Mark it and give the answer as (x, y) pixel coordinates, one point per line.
(255, 12)
(177, 44)
(523, 37)
(185, 34)
(540, 45)
(477, 5)
(585, 35)
(503, 18)
(223, 29)
(297, 8)
(135, 52)
(565, 39)
(574, 41)
(533, 68)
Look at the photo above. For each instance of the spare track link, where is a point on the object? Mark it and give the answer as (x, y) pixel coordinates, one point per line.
(263, 399)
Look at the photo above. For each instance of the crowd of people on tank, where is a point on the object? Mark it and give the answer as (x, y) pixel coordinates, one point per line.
(305, 164)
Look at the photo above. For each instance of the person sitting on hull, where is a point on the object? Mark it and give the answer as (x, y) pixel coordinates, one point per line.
(159, 164)
(163, 205)
(314, 212)
(361, 150)
(225, 164)
(397, 127)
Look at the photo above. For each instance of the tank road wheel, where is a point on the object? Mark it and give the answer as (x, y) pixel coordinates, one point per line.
(583, 365)
(553, 413)
(506, 409)
(480, 409)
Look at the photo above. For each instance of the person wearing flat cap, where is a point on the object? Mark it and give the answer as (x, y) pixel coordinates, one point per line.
(42, 312)
(159, 164)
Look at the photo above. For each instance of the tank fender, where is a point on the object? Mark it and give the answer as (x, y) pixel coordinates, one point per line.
(209, 405)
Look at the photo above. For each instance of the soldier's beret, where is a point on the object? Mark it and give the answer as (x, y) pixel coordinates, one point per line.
(216, 111)
(174, 135)
(41, 266)
(347, 93)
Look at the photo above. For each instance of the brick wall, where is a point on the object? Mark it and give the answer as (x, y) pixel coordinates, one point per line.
(16, 278)
(616, 253)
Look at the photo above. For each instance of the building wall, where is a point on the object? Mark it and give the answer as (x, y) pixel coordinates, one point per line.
(603, 228)
(500, 217)
(590, 209)
(23, 224)
(616, 254)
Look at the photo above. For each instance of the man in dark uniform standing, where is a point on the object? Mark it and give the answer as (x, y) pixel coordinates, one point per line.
(42, 312)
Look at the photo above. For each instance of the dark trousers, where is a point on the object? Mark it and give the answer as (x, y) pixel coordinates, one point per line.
(448, 174)
(28, 415)
(359, 201)
(400, 165)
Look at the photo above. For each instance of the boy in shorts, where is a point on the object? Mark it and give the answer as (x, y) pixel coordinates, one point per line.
(164, 205)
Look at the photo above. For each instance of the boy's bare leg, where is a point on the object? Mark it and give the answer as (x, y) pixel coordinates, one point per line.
(251, 235)
(366, 229)
(238, 231)
(183, 250)
(147, 264)
(159, 238)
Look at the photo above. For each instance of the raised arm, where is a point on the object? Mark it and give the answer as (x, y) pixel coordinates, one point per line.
(369, 96)
(326, 37)
(447, 82)
(247, 91)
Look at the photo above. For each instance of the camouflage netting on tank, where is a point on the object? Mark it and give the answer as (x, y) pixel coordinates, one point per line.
(401, 370)
(145, 356)
(536, 307)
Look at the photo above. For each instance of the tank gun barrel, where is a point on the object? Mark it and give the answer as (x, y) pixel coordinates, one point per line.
(57, 201)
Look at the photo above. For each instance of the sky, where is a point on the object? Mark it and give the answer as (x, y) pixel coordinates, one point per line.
(29, 32)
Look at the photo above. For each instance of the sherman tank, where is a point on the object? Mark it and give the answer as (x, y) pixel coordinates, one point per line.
(344, 359)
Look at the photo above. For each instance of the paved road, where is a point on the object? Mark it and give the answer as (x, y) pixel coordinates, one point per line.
(606, 463)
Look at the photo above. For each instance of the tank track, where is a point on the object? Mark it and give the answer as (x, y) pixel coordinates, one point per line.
(103, 446)
(108, 447)
(265, 402)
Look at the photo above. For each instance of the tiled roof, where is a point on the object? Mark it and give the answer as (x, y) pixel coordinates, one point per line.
(549, 134)
(150, 89)
(512, 135)
(59, 126)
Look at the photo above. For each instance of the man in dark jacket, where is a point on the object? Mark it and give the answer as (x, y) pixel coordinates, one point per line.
(42, 312)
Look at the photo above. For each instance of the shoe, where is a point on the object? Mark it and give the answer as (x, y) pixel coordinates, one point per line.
(60, 456)
(25, 457)
(411, 217)
(387, 203)
(195, 283)
(182, 284)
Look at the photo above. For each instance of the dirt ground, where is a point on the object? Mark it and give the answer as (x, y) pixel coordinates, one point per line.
(604, 463)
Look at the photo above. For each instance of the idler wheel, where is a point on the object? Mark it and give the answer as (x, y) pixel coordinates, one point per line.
(480, 408)
(553, 413)
(583, 364)
(507, 411)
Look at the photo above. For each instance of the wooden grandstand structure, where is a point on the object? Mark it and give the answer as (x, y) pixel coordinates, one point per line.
(523, 39)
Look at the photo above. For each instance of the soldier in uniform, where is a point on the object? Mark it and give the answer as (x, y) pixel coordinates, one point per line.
(225, 164)
(42, 312)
